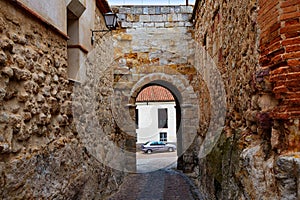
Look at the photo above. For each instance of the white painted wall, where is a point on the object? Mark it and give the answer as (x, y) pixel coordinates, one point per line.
(148, 121)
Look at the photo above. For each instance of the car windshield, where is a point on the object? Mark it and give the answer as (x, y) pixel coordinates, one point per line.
(146, 143)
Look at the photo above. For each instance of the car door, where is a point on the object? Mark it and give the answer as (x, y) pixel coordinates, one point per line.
(154, 146)
(161, 146)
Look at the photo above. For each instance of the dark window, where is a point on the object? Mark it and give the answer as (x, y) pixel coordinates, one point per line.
(136, 118)
(163, 136)
(163, 118)
(153, 143)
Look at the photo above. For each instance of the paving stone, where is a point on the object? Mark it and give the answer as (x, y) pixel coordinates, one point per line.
(161, 184)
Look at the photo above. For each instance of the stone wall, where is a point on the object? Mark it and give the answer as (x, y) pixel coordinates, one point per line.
(155, 45)
(257, 147)
(43, 154)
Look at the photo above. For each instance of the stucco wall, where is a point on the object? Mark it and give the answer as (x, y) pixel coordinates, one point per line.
(53, 11)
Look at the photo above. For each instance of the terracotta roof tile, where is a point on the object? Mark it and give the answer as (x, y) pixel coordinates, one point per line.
(155, 93)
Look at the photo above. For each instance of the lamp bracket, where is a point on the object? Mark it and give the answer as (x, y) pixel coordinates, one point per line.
(98, 31)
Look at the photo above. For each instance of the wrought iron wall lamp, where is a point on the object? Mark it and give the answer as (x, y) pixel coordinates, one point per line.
(110, 22)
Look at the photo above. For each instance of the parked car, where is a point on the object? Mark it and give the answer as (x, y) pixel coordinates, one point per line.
(157, 146)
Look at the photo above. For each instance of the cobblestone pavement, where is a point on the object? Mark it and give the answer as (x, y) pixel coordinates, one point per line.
(155, 161)
(158, 185)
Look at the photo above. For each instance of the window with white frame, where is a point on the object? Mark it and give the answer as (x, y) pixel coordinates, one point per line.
(163, 136)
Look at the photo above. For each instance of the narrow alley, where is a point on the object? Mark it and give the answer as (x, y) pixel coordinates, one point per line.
(72, 125)
(158, 185)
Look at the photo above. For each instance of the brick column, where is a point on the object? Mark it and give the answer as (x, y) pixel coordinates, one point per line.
(280, 53)
(279, 21)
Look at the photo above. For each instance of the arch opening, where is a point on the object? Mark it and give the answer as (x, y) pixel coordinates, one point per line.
(158, 119)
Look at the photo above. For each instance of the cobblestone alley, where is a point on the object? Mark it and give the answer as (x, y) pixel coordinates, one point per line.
(227, 79)
(161, 184)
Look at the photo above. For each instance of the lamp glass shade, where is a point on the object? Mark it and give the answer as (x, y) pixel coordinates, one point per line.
(110, 20)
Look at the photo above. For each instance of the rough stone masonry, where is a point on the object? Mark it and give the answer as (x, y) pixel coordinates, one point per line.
(43, 152)
(155, 45)
(256, 47)
(47, 152)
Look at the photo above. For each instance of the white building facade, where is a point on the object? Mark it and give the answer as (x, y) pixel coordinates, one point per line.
(156, 116)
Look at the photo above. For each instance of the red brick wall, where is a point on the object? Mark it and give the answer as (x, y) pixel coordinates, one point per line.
(279, 21)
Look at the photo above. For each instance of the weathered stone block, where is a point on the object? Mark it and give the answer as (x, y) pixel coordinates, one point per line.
(146, 10)
(151, 10)
(188, 24)
(149, 24)
(287, 174)
(177, 9)
(3, 58)
(8, 71)
(125, 37)
(132, 18)
(20, 74)
(27, 116)
(186, 9)
(144, 18)
(4, 147)
(169, 24)
(165, 10)
(157, 10)
(66, 108)
(124, 10)
(138, 10)
(172, 17)
(137, 25)
(46, 91)
(184, 17)
(31, 87)
(4, 117)
(23, 96)
(121, 17)
(2, 94)
(157, 18)
(6, 43)
(159, 25)
(126, 24)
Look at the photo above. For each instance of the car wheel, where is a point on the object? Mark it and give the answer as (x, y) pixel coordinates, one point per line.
(149, 151)
(171, 149)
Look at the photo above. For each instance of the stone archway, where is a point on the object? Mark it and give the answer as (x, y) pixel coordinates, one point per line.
(126, 90)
